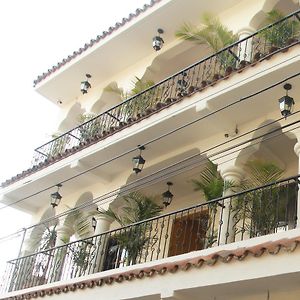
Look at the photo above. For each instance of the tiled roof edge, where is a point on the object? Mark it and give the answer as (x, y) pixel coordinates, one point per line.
(93, 42)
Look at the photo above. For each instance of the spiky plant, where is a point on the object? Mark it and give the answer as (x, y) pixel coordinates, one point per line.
(279, 35)
(212, 185)
(211, 182)
(79, 222)
(90, 129)
(257, 211)
(134, 239)
(213, 34)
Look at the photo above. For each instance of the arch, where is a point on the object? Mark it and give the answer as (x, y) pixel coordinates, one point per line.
(36, 235)
(284, 6)
(79, 222)
(191, 163)
(274, 146)
(107, 99)
(71, 118)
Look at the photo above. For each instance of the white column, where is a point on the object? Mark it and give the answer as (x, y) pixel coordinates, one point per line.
(297, 151)
(63, 236)
(103, 225)
(245, 47)
(234, 175)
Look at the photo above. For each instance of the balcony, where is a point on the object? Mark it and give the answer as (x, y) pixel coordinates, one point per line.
(241, 216)
(195, 78)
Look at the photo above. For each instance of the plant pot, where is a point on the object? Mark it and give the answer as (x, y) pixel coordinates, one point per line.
(216, 77)
(273, 49)
(170, 100)
(131, 120)
(228, 71)
(257, 56)
(191, 89)
(243, 64)
(159, 105)
(149, 111)
(112, 129)
(291, 41)
(204, 83)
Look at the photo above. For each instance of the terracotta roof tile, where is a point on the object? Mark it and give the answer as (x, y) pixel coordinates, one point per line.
(94, 41)
(223, 256)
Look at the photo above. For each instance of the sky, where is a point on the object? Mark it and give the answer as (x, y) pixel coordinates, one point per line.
(35, 35)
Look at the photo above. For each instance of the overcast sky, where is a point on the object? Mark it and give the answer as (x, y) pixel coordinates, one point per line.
(35, 35)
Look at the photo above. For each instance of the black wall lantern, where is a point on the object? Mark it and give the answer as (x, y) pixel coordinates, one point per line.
(138, 161)
(94, 223)
(167, 195)
(157, 41)
(286, 103)
(85, 85)
(56, 197)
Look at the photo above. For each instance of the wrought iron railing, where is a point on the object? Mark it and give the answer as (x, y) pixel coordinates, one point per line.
(244, 215)
(260, 45)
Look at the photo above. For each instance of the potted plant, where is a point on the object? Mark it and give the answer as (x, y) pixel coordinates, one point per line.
(216, 36)
(137, 107)
(212, 185)
(256, 212)
(90, 127)
(59, 144)
(282, 34)
(133, 240)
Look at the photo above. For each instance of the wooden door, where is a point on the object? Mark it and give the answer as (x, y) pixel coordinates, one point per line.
(188, 233)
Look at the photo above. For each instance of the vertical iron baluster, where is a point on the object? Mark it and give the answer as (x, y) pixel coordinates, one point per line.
(166, 237)
(190, 233)
(159, 238)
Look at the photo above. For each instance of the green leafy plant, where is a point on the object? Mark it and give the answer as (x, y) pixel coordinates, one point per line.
(134, 239)
(258, 210)
(213, 34)
(139, 104)
(281, 34)
(59, 144)
(212, 185)
(90, 129)
(79, 222)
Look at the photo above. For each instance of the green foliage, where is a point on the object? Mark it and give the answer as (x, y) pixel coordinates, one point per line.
(134, 239)
(92, 128)
(59, 144)
(213, 34)
(279, 35)
(211, 182)
(48, 239)
(139, 104)
(82, 255)
(138, 86)
(257, 210)
(79, 222)
(212, 185)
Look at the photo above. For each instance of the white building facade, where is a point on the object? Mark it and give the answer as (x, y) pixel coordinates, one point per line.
(191, 106)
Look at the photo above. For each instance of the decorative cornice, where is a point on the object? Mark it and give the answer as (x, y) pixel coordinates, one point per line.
(93, 42)
(223, 256)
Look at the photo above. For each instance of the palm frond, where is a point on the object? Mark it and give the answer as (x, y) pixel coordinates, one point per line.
(212, 33)
(261, 173)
